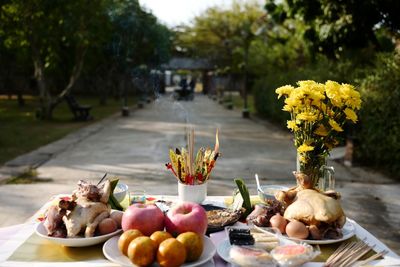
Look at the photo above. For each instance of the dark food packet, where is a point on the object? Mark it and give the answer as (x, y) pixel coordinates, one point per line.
(240, 237)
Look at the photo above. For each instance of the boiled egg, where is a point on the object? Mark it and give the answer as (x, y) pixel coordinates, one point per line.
(296, 229)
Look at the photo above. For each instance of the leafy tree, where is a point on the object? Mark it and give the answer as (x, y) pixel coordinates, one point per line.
(332, 26)
(222, 35)
(137, 39)
(47, 29)
(57, 36)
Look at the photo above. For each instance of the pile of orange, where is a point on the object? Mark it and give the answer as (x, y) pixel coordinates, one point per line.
(161, 247)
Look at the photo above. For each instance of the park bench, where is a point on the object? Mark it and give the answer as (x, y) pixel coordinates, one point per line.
(81, 112)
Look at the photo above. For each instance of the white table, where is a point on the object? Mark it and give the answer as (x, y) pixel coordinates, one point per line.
(12, 237)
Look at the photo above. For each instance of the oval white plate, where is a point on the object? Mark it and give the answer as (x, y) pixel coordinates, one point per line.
(74, 242)
(111, 252)
(348, 231)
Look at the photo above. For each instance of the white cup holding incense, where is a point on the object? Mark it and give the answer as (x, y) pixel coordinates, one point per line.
(192, 193)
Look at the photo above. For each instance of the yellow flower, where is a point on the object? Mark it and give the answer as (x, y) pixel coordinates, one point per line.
(287, 108)
(292, 125)
(304, 148)
(312, 85)
(318, 112)
(307, 116)
(350, 115)
(320, 88)
(322, 107)
(335, 126)
(321, 131)
(299, 93)
(302, 158)
(317, 96)
(284, 90)
(332, 90)
(306, 83)
(351, 97)
(292, 102)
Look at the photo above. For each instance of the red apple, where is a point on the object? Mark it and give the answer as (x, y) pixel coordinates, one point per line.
(186, 217)
(145, 218)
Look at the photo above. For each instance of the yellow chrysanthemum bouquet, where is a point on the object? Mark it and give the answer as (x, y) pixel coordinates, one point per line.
(318, 113)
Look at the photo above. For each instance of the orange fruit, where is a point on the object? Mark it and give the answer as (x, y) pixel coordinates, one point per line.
(126, 238)
(142, 251)
(193, 243)
(171, 253)
(160, 236)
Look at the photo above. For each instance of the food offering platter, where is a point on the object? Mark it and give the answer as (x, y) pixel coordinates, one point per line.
(20, 246)
(112, 253)
(348, 231)
(74, 242)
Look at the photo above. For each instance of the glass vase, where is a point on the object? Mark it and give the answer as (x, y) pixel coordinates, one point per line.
(321, 175)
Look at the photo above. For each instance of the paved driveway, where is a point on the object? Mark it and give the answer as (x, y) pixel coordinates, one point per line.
(136, 148)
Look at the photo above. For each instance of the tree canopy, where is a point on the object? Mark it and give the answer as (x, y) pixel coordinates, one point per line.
(221, 34)
(53, 39)
(332, 26)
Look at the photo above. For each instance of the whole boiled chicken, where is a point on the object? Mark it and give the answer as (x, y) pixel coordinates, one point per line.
(320, 211)
(82, 214)
(91, 208)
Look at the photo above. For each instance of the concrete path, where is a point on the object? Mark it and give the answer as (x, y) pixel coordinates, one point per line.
(136, 149)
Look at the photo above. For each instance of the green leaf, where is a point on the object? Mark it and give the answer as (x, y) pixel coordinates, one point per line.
(244, 192)
(111, 200)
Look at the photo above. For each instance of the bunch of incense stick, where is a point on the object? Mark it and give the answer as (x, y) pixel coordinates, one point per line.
(348, 253)
(189, 169)
(190, 140)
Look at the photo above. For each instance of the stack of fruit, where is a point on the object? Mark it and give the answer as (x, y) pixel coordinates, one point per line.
(144, 240)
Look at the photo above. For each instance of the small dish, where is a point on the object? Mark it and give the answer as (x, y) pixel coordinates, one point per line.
(75, 242)
(120, 191)
(112, 253)
(227, 218)
(267, 192)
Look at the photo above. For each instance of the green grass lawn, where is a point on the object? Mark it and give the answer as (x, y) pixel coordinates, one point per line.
(21, 132)
(238, 102)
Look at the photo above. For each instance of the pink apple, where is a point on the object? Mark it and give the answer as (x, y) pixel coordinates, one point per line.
(145, 218)
(185, 217)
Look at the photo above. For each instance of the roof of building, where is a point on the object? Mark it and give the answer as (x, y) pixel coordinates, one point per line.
(183, 63)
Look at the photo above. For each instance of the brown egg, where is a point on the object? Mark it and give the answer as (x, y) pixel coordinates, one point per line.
(107, 226)
(296, 229)
(279, 222)
(117, 217)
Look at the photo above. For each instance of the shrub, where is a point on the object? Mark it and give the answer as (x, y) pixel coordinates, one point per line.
(378, 133)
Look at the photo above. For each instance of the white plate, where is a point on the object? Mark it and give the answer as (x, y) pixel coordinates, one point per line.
(223, 250)
(74, 242)
(348, 231)
(111, 252)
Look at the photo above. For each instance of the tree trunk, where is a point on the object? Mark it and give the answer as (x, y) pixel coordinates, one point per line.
(44, 95)
(20, 98)
(75, 73)
(47, 103)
